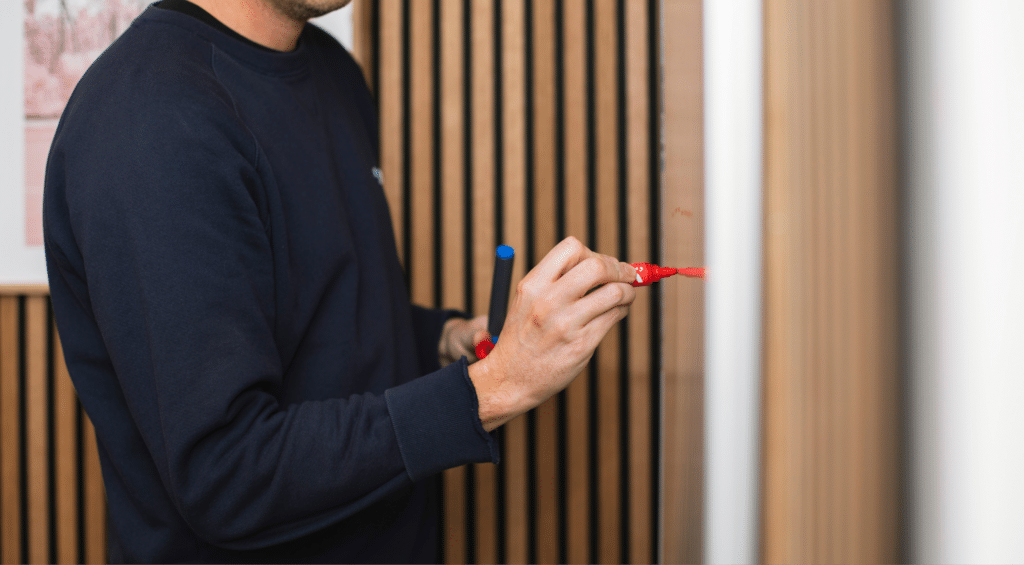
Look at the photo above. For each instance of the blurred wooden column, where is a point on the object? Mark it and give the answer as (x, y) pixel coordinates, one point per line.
(831, 258)
(681, 215)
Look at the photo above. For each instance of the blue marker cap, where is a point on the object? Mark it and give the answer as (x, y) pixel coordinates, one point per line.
(505, 252)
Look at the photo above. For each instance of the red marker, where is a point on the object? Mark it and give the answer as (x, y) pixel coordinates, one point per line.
(647, 273)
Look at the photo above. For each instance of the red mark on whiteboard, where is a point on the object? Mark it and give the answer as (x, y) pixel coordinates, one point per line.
(647, 273)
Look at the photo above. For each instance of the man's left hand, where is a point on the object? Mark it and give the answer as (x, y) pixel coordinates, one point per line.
(459, 337)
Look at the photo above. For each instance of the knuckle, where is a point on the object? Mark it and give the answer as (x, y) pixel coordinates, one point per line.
(629, 293)
(593, 267)
(618, 294)
(542, 309)
(524, 287)
(562, 328)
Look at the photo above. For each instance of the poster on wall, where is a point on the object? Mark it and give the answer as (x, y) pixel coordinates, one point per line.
(59, 39)
(62, 38)
(45, 47)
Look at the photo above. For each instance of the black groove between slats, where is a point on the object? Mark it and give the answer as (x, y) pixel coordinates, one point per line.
(406, 242)
(590, 373)
(621, 132)
(468, 172)
(80, 477)
(500, 491)
(438, 211)
(23, 426)
(560, 220)
(530, 256)
(655, 166)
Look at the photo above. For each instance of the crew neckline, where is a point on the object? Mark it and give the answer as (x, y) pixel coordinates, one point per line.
(200, 13)
(246, 51)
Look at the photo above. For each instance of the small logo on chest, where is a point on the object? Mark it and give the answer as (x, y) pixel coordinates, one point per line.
(379, 174)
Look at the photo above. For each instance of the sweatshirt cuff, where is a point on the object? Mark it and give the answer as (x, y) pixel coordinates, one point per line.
(436, 419)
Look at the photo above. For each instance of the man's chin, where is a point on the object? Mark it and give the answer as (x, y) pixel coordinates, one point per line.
(305, 10)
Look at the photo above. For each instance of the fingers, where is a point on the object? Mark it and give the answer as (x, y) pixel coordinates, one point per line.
(595, 271)
(606, 298)
(597, 328)
(562, 257)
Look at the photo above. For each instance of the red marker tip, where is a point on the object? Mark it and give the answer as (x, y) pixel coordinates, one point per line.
(693, 272)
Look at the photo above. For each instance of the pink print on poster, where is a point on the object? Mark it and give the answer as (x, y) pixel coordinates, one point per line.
(62, 38)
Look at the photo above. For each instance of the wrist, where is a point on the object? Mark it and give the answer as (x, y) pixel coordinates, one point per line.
(499, 401)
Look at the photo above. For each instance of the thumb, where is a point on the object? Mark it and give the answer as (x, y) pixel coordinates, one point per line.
(480, 335)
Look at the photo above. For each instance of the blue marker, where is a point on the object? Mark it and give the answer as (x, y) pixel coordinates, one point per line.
(500, 289)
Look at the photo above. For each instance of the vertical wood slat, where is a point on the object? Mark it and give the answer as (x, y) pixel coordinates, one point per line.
(389, 100)
(830, 312)
(682, 216)
(607, 137)
(420, 263)
(37, 411)
(513, 136)
(10, 431)
(454, 286)
(546, 527)
(575, 127)
(49, 522)
(484, 241)
(66, 461)
(638, 323)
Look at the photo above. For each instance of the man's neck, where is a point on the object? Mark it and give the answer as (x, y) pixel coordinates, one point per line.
(257, 21)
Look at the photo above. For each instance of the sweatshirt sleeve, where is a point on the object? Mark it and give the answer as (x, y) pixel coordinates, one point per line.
(167, 217)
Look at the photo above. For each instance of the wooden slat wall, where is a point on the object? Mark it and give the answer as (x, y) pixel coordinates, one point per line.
(831, 318)
(522, 122)
(52, 503)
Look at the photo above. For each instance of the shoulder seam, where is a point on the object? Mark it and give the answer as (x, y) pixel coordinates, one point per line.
(255, 158)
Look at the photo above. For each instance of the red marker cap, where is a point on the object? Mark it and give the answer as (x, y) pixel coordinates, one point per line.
(647, 273)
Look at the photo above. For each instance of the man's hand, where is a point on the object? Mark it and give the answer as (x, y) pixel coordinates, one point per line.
(561, 311)
(459, 337)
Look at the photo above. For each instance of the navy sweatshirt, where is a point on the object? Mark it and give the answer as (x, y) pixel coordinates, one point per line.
(232, 311)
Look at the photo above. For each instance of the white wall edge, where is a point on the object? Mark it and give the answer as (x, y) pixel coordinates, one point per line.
(733, 130)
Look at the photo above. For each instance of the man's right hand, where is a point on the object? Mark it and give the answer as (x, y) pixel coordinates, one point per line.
(561, 311)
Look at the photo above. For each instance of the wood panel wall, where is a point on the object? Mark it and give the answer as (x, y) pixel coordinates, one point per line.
(522, 122)
(52, 502)
(831, 322)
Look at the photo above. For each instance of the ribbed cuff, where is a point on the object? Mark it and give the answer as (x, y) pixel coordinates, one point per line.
(437, 422)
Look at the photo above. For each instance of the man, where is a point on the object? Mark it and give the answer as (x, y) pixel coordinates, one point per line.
(231, 307)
